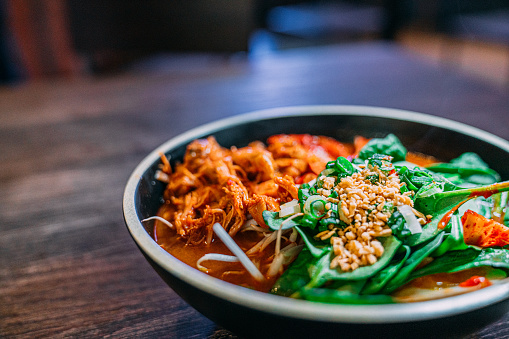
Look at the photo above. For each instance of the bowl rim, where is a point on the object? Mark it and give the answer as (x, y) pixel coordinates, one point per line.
(294, 308)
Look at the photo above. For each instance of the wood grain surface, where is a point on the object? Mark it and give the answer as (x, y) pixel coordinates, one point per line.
(68, 267)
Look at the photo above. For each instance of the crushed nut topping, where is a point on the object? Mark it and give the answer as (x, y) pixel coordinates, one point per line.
(362, 199)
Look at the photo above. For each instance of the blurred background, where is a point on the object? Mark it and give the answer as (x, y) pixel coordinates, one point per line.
(69, 38)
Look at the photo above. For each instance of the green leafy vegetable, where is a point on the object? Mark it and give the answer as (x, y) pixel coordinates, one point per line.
(417, 179)
(453, 239)
(295, 277)
(411, 263)
(345, 295)
(470, 168)
(429, 231)
(390, 145)
(379, 280)
(322, 273)
(436, 201)
(274, 222)
(455, 261)
(316, 247)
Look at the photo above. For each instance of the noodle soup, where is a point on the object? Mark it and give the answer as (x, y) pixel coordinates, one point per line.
(288, 205)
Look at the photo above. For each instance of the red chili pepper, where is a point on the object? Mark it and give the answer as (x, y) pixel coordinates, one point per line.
(475, 281)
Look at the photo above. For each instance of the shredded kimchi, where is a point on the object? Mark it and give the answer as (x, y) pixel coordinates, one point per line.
(216, 184)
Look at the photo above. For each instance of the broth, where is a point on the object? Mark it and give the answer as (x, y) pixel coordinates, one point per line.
(231, 272)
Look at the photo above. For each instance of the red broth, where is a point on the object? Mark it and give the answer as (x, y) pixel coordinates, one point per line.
(231, 272)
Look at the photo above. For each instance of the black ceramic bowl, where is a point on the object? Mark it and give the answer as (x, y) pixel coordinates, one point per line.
(250, 313)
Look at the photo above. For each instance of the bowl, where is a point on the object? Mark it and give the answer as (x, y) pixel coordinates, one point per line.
(250, 313)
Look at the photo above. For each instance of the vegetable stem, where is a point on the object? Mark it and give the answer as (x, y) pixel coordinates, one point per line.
(237, 251)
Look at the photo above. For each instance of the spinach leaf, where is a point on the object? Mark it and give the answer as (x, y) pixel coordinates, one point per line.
(316, 247)
(435, 201)
(404, 163)
(322, 273)
(460, 260)
(479, 205)
(453, 240)
(390, 145)
(296, 275)
(495, 257)
(379, 280)
(347, 294)
(411, 263)
(470, 168)
(273, 220)
(429, 231)
(428, 190)
(423, 182)
(414, 179)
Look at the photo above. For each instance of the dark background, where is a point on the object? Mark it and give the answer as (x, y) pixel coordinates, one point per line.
(46, 38)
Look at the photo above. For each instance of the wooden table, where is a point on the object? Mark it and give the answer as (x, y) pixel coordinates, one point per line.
(68, 266)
